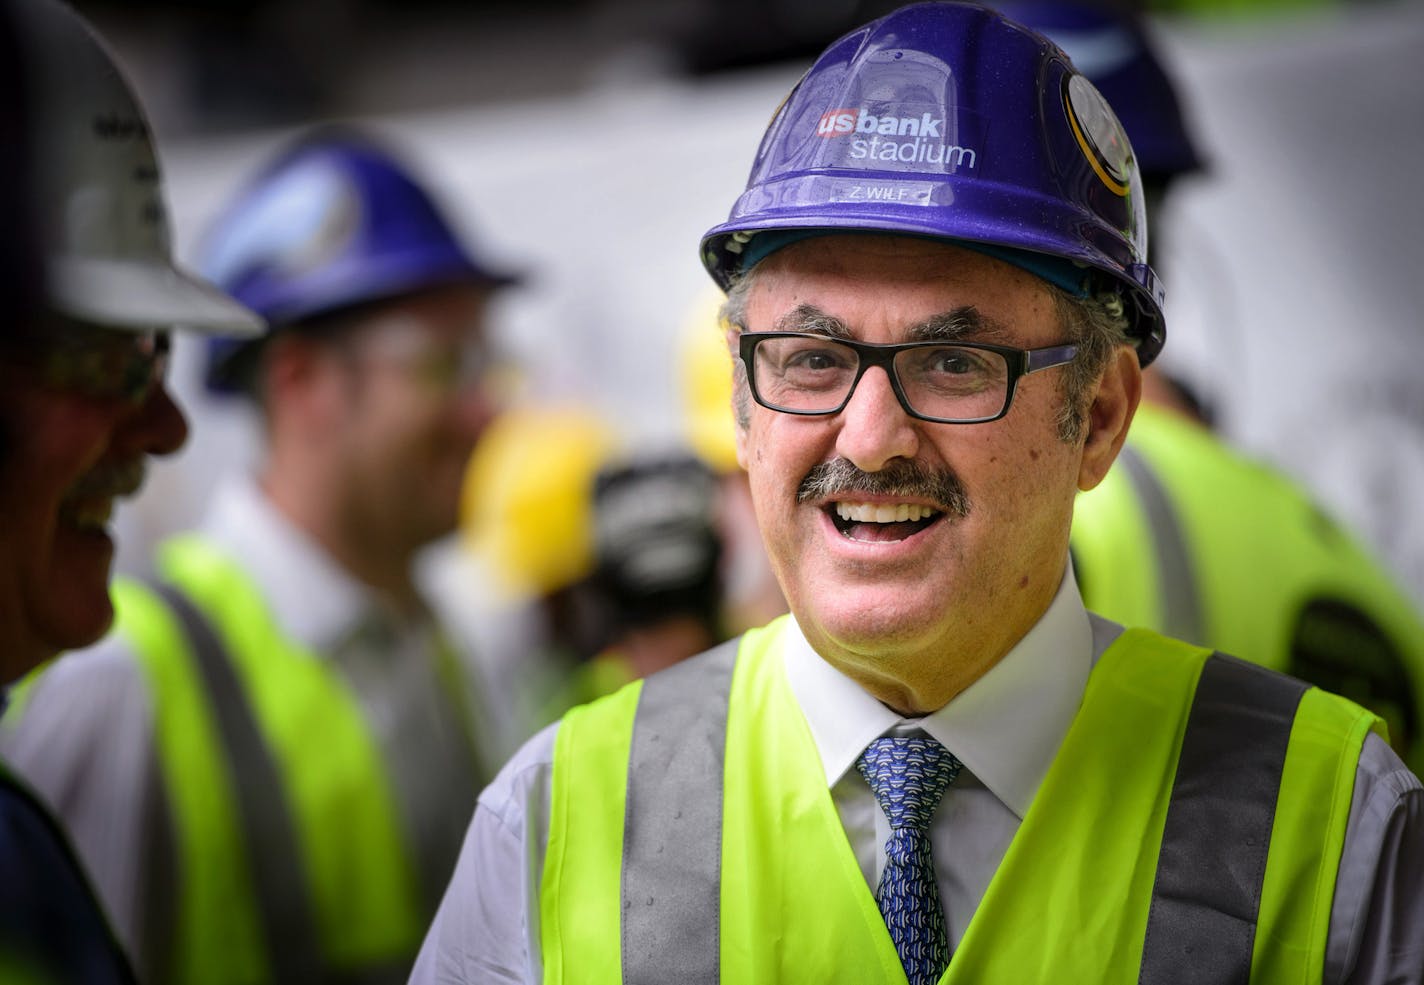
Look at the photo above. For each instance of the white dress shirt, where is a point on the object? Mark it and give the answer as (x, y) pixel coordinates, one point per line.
(1005, 757)
(1006, 728)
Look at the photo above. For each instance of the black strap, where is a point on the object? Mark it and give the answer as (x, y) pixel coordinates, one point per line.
(672, 836)
(50, 916)
(1207, 894)
(275, 859)
(1176, 580)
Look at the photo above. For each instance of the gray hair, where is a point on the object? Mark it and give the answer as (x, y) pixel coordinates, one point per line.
(734, 314)
(1096, 324)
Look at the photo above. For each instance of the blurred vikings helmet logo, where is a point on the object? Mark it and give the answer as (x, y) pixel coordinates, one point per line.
(1099, 134)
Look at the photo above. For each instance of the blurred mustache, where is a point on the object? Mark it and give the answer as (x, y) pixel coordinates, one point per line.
(123, 479)
(839, 479)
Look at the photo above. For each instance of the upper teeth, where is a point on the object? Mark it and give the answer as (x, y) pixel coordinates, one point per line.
(93, 514)
(883, 512)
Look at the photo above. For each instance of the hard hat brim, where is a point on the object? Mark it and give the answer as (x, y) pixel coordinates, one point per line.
(141, 296)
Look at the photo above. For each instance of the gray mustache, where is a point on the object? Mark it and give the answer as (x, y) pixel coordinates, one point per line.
(839, 479)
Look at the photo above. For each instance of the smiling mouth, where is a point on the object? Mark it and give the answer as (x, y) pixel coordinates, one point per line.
(92, 514)
(89, 504)
(881, 522)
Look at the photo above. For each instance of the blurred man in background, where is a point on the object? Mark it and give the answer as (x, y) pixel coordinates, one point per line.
(610, 563)
(1189, 537)
(91, 292)
(657, 568)
(527, 533)
(269, 765)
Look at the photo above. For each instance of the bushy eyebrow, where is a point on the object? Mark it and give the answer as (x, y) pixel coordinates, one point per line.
(962, 324)
(809, 318)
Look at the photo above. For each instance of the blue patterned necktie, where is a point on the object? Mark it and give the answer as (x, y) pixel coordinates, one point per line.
(908, 777)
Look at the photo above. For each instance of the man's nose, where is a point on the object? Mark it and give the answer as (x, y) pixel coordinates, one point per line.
(155, 427)
(874, 427)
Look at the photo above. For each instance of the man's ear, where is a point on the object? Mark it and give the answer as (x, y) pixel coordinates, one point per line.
(1109, 416)
(302, 377)
(288, 362)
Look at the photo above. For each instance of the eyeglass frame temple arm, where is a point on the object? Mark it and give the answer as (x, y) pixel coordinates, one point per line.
(1048, 357)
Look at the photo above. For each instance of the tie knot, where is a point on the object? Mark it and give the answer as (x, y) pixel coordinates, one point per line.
(908, 776)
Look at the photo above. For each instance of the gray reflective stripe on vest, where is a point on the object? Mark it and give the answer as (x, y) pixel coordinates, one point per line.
(283, 900)
(1207, 894)
(1176, 580)
(426, 751)
(155, 959)
(672, 835)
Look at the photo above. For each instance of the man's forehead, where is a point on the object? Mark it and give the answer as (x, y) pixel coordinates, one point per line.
(891, 257)
(451, 315)
(926, 288)
(906, 247)
(401, 331)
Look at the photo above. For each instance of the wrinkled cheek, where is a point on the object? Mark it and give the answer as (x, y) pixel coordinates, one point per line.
(770, 517)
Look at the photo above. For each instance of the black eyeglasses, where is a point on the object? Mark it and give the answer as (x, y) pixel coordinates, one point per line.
(444, 369)
(947, 383)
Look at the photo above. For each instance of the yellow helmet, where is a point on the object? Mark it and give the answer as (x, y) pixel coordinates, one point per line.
(526, 501)
(706, 375)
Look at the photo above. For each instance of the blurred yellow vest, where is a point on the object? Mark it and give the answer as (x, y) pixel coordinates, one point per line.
(1187, 537)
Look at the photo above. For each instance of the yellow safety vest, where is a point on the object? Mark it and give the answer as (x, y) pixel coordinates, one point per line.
(781, 898)
(347, 895)
(1188, 538)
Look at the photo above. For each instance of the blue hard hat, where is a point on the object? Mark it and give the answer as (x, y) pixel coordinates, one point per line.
(333, 222)
(950, 121)
(1112, 48)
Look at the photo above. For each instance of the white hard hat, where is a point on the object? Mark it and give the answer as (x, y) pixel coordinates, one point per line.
(108, 258)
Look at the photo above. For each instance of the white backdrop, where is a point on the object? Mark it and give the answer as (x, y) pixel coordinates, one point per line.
(1295, 268)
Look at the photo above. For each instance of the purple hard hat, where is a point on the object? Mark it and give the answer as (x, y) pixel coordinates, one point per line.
(947, 120)
(1112, 48)
(333, 222)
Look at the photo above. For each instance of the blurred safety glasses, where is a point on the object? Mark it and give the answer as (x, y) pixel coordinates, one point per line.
(441, 368)
(97, 363)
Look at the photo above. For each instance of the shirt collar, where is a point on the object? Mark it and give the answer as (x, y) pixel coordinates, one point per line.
(317, 603)
(1006, 727)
